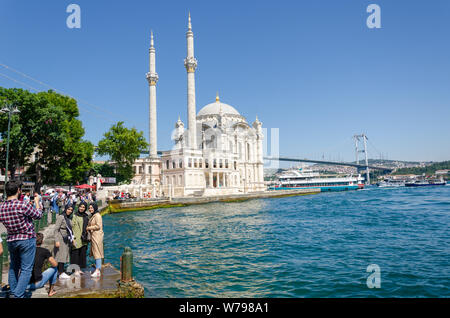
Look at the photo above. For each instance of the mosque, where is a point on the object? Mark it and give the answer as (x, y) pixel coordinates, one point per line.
(217, 153)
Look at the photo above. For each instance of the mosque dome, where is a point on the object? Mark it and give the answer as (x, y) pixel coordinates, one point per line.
(217, 107)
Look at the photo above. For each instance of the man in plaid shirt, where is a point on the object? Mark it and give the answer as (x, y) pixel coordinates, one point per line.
(17, 217)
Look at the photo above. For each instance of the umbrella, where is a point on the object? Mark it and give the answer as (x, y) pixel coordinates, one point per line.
(84, 186)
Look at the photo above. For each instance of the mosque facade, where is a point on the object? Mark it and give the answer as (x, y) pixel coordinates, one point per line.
(217, 153)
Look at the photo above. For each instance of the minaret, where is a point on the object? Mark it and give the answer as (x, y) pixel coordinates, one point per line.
(152, 78)
(191, 64)
(259, 173)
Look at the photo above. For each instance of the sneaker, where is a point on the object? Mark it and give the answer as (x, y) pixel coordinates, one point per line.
(96, 273)
(64, 276)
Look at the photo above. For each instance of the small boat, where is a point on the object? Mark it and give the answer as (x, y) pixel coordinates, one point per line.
(426, 183)
(391, 183)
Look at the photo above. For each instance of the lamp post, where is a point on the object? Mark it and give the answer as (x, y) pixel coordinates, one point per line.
(9, 108)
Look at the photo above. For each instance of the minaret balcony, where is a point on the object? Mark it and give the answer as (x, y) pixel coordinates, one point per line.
(190, 63)
(152, 78)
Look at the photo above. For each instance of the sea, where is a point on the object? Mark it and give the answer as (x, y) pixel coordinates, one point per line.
(376, 242)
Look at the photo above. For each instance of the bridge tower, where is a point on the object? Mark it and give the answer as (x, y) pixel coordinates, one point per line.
(358, 140)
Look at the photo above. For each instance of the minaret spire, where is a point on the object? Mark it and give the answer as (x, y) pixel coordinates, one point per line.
(191, 64)
(189, 22)
(152, 78)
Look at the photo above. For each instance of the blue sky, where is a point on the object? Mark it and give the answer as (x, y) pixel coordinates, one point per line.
(313, 69)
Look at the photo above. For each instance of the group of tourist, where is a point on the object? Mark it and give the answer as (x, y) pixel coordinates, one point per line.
(73, 232)
(59, 200)
(121, 195)
(78, 224)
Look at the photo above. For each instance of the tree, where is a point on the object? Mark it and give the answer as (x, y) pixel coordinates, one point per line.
(47, 126)
(104, 169)
(124, 146)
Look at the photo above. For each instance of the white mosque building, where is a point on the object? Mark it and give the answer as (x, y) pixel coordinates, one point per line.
(217, 153)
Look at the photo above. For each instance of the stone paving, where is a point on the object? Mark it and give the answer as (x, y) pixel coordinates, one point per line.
(78, 286)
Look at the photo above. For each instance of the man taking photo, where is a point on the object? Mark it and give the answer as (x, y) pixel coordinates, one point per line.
(17, 216)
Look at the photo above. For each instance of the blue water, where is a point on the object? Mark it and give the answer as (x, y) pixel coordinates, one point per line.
(306, 246)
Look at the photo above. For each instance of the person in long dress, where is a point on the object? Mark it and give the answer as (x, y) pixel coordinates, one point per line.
(95, 228)
(80, 244)
(63, 239)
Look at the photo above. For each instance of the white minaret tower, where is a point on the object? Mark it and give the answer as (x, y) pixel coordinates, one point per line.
(152, 78)
(191, 64)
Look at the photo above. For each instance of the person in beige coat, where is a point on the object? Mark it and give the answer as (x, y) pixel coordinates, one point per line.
(95, 228)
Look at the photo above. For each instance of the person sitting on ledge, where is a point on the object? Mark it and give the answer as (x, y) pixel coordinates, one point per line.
(39, 278)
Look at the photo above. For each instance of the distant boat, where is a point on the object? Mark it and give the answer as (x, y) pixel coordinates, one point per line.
(426, 183)
(306, 179)
(391, 183)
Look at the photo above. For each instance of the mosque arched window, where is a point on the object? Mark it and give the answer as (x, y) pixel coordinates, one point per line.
(195, 163)
(212, 143)
(206, 164)
(167, 164)
(226, 163)
(220, 163)
(180, 163)
(215, 163)
(235, 165)
(174, 165)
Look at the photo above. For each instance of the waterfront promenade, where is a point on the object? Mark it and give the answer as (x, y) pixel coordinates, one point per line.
(117, 206)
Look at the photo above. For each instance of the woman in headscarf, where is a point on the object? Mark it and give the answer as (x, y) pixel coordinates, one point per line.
(95, 228)
(80, 222)
(63, 239)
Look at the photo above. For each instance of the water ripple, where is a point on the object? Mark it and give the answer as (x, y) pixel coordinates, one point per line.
(310, 246)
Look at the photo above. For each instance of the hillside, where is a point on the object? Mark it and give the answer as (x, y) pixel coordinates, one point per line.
(427, 170)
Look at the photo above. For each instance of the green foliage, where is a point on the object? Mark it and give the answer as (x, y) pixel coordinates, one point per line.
(47, 123)
(428, 170)
(124, 146)
(104, 169)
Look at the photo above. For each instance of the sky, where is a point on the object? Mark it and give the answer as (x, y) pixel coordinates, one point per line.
(312, 69)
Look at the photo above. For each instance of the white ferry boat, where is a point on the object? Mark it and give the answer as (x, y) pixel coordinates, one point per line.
(306, 179)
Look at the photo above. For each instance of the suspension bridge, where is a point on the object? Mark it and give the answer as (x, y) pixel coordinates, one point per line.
(360, 148)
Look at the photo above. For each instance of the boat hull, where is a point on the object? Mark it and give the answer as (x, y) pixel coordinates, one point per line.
(322, 188)
(425, 184)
